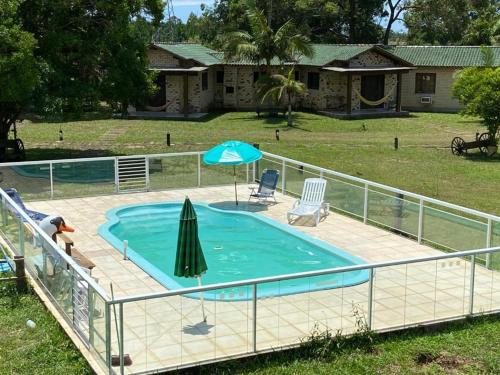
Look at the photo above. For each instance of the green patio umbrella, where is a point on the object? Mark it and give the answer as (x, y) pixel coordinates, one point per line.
(189, 260)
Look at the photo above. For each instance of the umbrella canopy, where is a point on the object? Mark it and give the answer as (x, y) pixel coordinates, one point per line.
(232, 153)
(189, 260)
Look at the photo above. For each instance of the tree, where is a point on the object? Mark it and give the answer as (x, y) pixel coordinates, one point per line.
(478, 89)
(19, 69)
(262, 44)
(436, 22)
(283, 86)
(393, 14)
(452, 21)
(82, 43)
(482, 23)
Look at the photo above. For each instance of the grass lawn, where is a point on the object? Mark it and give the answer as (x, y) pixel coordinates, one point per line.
(423, 163)
(43, 350)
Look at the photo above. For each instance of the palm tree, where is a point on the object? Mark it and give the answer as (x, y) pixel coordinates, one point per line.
(262, 44)
(281, 85)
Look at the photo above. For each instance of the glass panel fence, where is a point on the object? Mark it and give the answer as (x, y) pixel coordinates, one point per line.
(453, 231)
(222, 174)
(344, 196)
(420, 292)
(487, 285)
(295, 177)
(324, 304)
(393, 212)
(97, 326)
(173, 172)
(86, 178)
(170, 331)
(31, 180)
(495, 233)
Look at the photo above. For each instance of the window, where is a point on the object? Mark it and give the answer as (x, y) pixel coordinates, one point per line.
(297, 75)
(220, 76)
(313, 81)
(425, 83)
(204, 81)
(256, 76)
(229, 89)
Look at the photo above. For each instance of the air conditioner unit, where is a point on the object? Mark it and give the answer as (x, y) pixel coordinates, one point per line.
(426, 99)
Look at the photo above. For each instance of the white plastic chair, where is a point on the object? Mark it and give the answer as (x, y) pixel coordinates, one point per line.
(312, 202)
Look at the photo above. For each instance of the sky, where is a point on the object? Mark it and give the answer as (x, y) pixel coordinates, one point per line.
(183, 8)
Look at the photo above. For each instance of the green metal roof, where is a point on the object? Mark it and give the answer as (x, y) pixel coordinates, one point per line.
(444, 56)
(436, 56)
(191, 51)
(326, 53)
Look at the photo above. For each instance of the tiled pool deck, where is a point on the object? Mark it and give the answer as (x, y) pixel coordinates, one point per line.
(169, 332)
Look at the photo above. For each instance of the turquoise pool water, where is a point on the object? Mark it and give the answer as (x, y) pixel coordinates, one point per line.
(237, 246)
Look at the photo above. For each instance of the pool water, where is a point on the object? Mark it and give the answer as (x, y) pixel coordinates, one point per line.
(237, 246)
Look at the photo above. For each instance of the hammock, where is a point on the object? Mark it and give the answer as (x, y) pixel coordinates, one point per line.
(374, 102)
(156, 109)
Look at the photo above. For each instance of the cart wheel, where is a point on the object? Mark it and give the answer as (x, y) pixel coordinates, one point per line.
(485, 137)
(458, 146)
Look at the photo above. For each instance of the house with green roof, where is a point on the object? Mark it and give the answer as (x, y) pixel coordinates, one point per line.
(345, 81)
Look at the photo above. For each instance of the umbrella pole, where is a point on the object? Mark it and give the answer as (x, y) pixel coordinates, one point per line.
(235, 190)
(202, 301)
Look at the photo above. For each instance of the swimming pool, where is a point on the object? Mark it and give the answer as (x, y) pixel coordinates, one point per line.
(237, 246)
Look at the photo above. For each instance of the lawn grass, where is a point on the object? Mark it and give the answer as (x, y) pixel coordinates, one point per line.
(422, 164)
(43, 350)
(456, 348)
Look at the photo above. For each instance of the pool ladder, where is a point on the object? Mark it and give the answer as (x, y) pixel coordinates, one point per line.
(132, 174)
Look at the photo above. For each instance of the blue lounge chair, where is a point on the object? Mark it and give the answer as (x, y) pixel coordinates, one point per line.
(14, 195)
(4, 265)
(267, 186)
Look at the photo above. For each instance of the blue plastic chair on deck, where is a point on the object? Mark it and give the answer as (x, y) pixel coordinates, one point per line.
(267, 186)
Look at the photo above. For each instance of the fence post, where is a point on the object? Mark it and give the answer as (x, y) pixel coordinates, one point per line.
(122, 361)
(20, 274)
(283, 178)
(90, 309)
(365, 206)
(254, 317)
(420, 221)
(147, 173)
(117, 178)
(108, 336)
(254, 174)
(199, 170)
(370, 298)
(488, 242)
(51, 181)
(21, 237)
(471, 283)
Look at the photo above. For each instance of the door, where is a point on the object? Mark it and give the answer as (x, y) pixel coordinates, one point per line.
(160, 97)
(372, 88)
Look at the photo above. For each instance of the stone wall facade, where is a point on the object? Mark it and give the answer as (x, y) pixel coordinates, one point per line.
(370, 58)
(161, 59)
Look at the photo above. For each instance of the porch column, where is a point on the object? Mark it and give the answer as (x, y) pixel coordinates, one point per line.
(349, 93)
(185, 107)
(398, 93)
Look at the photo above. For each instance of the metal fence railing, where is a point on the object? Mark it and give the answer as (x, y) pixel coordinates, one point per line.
(161, 330)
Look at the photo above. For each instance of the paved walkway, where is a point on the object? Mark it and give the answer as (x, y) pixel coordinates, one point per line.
(169, 332)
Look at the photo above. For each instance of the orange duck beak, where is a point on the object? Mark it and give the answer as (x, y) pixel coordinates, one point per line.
(65, 228)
